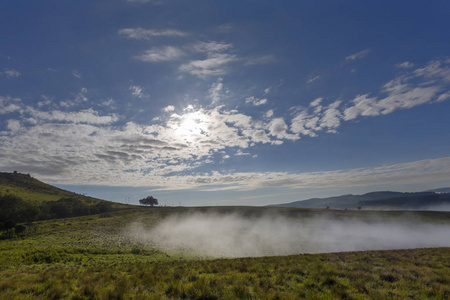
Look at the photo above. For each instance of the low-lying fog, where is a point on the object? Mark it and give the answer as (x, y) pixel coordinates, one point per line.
(220, 235)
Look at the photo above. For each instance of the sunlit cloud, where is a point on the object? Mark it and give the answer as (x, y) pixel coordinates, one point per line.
(211, 47)
(215, 65)
(256, 101)
(163, 54)
(359, 55)
(405, 65)
(313, 79)
(137, 91)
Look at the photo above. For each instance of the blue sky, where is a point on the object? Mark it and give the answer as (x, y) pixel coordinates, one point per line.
(226, 102)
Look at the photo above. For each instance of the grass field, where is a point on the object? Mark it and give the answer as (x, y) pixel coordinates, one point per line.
(95, 257)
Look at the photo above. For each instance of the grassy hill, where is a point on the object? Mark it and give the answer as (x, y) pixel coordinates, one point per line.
(30, 189)
(25, 199)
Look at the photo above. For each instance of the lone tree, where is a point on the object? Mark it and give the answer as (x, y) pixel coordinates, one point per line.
(150, 200)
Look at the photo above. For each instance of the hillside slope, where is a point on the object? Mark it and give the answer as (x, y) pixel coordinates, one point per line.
(30, 189)
(26, 199)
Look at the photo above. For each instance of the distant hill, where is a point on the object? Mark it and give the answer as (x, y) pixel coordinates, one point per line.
(441, 190)
(25, 199)
(379, 200)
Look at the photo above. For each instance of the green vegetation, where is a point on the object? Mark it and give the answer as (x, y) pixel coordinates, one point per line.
(30, 189)
(79, 247)
(419, 274)
(94, 257)
(25, 199)
(150, 200)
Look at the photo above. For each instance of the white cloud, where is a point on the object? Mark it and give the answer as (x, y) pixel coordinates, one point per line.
(137, 91)
(214, 65)
(240, 153)
(423, 85)
(403, 92)
(147, 34)
(9, 105)
(359, 55)
(169, 108)
(443, 97)
(269, 114)
(76, 74)
(278, 128)
(11, 73)
(257, 135)
(405, 65)
(304, 123)
(13, 125)
(316, 102)
(406, 173)
(256, 101)
(435, 70)
(96, 149)
(211, 47)
(215, 91)
(267, 91)
(331, 118)
(88, 116)
(163, 54)
(313, 79)
(108, 103)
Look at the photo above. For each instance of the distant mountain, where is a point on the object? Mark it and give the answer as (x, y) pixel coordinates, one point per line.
(441, 190)
(379, 200)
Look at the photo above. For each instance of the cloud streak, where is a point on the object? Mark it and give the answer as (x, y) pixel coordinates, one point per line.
(163, 54)
(359, 55)
(148, 34)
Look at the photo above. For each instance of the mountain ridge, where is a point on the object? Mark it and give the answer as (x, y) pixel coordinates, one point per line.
(378, 200)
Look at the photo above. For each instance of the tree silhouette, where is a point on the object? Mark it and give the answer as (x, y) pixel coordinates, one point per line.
(150, 200)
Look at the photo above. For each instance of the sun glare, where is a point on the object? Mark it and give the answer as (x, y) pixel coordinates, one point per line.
(192, 125)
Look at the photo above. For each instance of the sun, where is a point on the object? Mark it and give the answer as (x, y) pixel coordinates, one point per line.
(192, 126)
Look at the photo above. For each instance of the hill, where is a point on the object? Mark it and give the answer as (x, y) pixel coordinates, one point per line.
(441, 190)
(428, 200)
(26, 199)
(30, 189)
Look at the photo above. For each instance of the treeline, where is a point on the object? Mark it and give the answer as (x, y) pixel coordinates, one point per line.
(14, 210)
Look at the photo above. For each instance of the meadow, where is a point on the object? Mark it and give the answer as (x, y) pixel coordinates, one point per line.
(99, 257)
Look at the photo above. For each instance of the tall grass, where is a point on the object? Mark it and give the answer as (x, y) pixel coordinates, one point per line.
(91, 258)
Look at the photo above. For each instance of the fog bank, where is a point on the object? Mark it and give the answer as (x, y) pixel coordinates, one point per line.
(219, 235)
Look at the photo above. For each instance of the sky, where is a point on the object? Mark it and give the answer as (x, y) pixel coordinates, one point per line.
(202, 103)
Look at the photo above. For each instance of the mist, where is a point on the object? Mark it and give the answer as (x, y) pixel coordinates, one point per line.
(233, 235)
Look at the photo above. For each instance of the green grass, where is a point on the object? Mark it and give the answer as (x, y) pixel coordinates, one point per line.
(32, 190)
(419, 274)
(92, 257)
